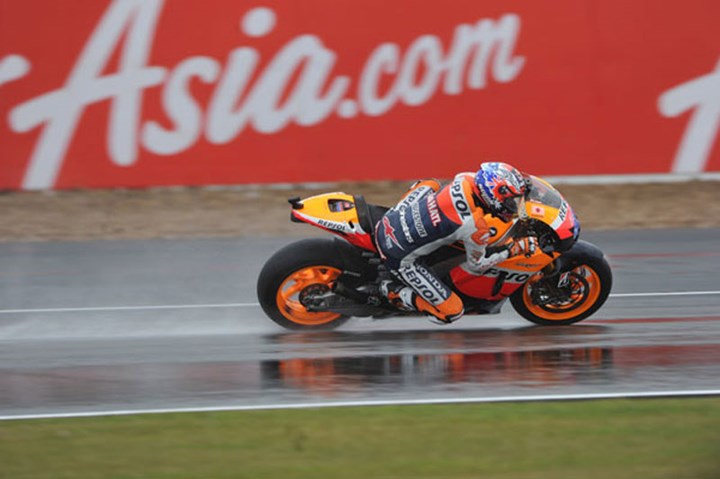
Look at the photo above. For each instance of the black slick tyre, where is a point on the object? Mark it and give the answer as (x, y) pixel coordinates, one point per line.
(304, 267)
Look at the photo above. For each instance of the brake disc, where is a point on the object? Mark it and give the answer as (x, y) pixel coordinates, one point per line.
(552, 298)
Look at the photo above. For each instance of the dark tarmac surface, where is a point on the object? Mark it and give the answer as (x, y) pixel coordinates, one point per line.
(118, 326)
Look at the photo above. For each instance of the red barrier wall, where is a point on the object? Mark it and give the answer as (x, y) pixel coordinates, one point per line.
(145, 92)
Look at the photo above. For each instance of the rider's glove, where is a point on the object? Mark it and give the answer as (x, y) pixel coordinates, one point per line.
(526, 246)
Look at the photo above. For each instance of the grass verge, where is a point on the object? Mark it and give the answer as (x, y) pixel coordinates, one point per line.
(659, 438)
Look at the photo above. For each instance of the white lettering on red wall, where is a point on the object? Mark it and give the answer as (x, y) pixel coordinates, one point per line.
(702, 95)
(475, 54)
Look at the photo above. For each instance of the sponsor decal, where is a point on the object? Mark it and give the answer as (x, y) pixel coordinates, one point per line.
(511, 277)
(433, 210)
(431, 278)
(565, 279)
(562, 214)
(410, 198)
(700, 95)
(528, 265)
(417, 220)
(297, 84)
(390, 234)
(110, 95)
(332, 225)
(424, 283)
(459, 201)
(405, 227)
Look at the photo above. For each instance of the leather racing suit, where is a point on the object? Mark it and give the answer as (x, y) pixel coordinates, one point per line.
(427, 218)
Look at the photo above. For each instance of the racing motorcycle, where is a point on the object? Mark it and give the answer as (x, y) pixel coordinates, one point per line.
(320, 283)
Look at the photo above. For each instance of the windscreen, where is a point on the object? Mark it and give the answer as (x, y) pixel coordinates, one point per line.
(541, 192)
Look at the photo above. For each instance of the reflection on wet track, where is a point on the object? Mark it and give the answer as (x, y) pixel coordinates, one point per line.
(487, 363)
(432, 371)
(379, 366)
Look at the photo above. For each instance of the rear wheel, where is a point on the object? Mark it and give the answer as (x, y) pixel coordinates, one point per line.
(294, 275)
(571, 296)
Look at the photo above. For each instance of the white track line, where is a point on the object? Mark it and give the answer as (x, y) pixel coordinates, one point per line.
(130, 308)
(254, 305)
(669, 293)
(394, 402)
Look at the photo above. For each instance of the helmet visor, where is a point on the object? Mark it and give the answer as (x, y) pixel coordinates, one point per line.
(514, 206)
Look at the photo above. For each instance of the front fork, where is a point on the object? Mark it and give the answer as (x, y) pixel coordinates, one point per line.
(556, 286)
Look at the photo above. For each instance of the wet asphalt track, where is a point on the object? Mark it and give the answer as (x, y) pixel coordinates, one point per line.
(123, 326)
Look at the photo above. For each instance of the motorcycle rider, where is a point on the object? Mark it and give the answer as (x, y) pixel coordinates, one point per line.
(430, 216)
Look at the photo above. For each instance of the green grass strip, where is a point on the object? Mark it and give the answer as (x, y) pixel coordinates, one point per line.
(618, 439)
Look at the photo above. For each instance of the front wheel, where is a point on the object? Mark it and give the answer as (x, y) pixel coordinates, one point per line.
(296, 272)
(576, 292)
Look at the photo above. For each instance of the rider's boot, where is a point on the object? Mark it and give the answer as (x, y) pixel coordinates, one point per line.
(406, 299)
(446, 312)
(399, 295)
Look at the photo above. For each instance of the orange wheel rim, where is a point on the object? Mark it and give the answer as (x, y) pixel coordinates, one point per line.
(289, 292)
(580, 301)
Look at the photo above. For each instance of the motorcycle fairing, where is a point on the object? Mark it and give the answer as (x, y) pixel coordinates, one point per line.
(546, 204)
(500, 281)
(334, 212)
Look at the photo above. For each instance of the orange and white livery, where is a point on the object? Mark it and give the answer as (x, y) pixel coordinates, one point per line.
(426, 219)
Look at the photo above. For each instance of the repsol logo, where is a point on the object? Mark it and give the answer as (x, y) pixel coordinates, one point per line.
(422, 287)
(413, 196)
(461, 205)
(331, 225)
(431, 278)
(510, 277)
